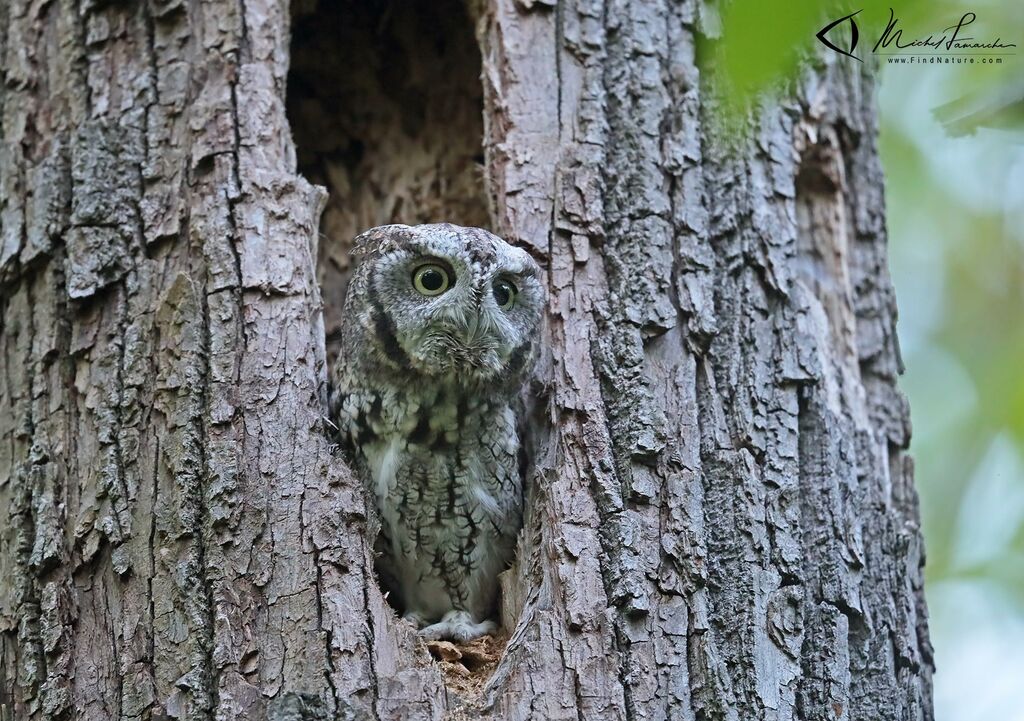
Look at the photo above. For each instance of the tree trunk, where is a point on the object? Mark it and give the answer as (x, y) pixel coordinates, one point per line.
(721, 520)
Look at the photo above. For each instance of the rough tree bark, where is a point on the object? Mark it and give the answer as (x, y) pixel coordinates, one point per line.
(722, 522)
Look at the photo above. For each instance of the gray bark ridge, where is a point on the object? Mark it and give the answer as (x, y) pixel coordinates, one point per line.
(722, 522)
(724, 497)
(179, 540)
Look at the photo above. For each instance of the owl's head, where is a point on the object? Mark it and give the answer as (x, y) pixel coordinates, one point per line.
(446, 301)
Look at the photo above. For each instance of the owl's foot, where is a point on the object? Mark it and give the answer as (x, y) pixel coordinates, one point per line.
(457, 626)
(415, 618)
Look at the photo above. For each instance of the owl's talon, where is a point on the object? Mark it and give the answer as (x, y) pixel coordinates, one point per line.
(457, 626)
(414, 618)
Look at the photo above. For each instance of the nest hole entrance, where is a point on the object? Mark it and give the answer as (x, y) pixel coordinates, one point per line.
(386, 110)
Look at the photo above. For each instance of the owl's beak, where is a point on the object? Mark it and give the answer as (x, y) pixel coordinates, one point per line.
(471, 347)
(473, 327)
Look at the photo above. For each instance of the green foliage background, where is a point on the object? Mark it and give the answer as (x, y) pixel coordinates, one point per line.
(956, 228)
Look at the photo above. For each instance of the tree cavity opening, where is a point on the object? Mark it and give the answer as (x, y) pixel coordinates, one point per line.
(386, 107)
(386, 110)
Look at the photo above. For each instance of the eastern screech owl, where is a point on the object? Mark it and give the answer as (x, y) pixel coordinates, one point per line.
(440, 332)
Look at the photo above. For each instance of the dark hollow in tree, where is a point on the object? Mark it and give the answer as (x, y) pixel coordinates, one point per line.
(385, 107)
(386, 110)
(724, 523)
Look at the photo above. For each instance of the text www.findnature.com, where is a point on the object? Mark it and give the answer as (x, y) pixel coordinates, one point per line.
(921, 60)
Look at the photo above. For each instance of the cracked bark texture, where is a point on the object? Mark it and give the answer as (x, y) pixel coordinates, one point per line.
(722, 524)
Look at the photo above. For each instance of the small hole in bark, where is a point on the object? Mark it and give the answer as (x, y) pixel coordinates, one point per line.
(386, 111)
(204, 166)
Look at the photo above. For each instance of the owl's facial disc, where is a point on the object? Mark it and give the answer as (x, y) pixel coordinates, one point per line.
(463, 331)
(454, 318)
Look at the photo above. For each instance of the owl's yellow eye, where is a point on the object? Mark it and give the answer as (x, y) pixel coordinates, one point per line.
(505, 294)
(431, 279)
